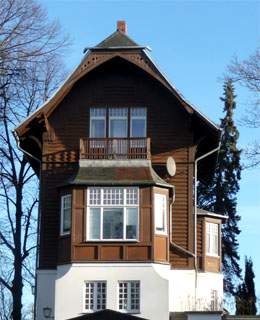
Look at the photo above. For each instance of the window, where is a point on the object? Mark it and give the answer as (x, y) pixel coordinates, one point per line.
(214, 304)
(65, 214)
(118, 122)
(112, 213)
(95, 295)
(97, 122)
(160, 213)
(212, 239)
(138, 122)
(129, 296)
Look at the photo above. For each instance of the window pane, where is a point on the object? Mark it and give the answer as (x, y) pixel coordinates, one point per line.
(132, 196)
(138, 112)
(94, 196)
(98, 128)
(118, 112)
(113, 196)
(118, 128)
(138, 128)
(113, 223)
(97, 112)
(160, 212)
(94, 223)
(66, 220)
(131, 223)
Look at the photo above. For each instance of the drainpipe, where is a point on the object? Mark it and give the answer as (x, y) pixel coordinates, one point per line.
(195, 217)
(38, 220)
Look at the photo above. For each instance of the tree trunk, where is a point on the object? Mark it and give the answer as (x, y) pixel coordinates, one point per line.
(17, 289)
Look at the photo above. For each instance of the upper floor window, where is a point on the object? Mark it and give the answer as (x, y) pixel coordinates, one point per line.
(95, 295)
(97, 122)
(118, 122)
(65, 220)
(212, 239)
(138, 122)
(160, 213)
(129, 296)
(112, 213)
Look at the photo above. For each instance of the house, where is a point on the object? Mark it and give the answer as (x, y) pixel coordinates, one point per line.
(118, 152)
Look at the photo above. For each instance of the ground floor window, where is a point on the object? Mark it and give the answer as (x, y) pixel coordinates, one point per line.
(95, 295)
(129, 296)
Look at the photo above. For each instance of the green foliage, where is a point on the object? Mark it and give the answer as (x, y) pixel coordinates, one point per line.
(245, 296)
(220, 195)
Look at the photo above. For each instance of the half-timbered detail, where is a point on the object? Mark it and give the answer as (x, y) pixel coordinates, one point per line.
(118, 152)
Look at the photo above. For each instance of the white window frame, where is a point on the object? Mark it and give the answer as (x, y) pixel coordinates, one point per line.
(144, 117)
(95, 282)
(97, 118)
(63, 197)
(156, 229)
(103, 206)
(210, 230)
(116, 117)
(128, 310)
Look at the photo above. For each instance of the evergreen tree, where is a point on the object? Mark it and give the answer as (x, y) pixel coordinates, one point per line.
(245, 297)
(220, 195)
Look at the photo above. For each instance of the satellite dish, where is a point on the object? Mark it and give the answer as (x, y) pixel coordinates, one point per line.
(171, 166)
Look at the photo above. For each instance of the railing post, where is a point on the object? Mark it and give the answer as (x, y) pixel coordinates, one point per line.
(148, 148)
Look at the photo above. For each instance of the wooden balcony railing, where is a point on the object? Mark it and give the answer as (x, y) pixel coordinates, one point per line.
(115, 148)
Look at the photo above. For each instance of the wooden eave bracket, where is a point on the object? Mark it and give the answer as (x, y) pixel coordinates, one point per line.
(181, 250)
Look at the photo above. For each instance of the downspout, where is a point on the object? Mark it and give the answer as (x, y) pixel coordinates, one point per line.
(195, 217)
(38, 220)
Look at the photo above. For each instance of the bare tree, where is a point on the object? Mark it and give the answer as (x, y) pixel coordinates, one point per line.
(247, 74)
(30, 70)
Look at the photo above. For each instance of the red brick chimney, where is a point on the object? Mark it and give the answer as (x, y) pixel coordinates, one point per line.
(121, 26)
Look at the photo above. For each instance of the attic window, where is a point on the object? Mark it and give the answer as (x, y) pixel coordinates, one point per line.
(118, 122)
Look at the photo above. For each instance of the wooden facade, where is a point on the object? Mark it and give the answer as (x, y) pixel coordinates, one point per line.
(125, 78)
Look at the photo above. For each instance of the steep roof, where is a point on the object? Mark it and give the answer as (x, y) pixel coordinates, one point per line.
(117, 39)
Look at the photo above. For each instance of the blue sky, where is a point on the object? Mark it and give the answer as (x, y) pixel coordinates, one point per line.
(193, 42)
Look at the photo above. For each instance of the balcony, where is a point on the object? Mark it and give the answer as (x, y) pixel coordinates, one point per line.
(115, 148)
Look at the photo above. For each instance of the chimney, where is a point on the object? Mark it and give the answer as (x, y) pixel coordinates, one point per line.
(122, 26)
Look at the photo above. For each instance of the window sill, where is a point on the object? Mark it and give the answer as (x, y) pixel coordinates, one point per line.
(212, 255)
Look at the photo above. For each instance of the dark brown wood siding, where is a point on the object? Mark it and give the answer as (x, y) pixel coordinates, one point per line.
(116, 84)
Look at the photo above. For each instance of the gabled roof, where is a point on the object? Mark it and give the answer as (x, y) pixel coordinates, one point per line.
(116, 45)
(117, 39)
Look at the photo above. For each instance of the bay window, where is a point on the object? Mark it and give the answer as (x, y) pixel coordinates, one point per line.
(112, 213)
(212, 239)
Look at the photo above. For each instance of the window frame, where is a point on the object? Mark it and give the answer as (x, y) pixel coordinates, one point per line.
(62, 232)
(103, 206)
(210, 252)
(129, 310)
(117, 117)
(85, 310)
(103, 117)
(133, 117)
(165, 215)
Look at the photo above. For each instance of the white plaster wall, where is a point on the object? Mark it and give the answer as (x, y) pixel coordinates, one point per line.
(182, 290)
(45, 291)
(70, 286)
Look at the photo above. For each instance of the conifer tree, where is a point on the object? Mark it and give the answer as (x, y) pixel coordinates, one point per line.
(245, 297)
(220, 195)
